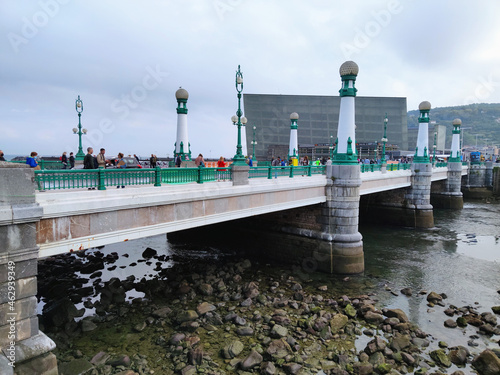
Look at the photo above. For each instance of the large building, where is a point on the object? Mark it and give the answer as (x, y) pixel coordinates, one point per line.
(318, 121)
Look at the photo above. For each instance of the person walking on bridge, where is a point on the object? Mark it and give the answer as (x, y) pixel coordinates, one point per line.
(199, 161)
(221, 167)
(101, 159)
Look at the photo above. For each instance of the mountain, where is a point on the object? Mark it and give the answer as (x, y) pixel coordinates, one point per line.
(483, 119)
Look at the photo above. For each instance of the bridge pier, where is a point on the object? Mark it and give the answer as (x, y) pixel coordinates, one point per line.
(418, 209)
(451, 196)
(479, 182)
(340, 218)
(23, 348)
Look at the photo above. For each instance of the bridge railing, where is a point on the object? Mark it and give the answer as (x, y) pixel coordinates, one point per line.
(285, 171)
(390, 167)
(44, 164)
(441, 165)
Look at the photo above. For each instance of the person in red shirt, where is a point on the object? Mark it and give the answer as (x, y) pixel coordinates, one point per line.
(221, 167)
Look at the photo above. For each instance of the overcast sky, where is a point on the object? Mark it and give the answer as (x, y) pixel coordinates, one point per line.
(127, 58)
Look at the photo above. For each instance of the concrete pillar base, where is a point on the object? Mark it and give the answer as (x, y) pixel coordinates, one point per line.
(240, 174)
(454, 201)
(476, 192)
(32, 356)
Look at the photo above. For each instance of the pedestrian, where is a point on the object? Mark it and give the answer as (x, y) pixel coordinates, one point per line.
(221, 165)
(101, 159)
(31, 161)
(199, 161)
(178, 161)
(137, 158)
(121, 164)
(88, 160)
(64, 160)
(276, 163)
(2, 158)
(305, 162)
(71, 161)
(152, 161)
(250, 162)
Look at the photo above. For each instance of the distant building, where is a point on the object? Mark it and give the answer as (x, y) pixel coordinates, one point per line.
(318, 121)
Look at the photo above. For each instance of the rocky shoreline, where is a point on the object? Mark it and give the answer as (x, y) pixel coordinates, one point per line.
(230, 317)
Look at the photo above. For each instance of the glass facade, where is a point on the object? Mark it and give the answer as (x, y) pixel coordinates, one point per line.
(318, 121)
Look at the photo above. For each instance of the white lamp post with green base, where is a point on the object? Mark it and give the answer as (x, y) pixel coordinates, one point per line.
(254, 142)
(422, 149)
(293, 149)
(455, 141)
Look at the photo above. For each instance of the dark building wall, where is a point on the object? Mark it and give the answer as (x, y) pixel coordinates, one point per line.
(318, 120)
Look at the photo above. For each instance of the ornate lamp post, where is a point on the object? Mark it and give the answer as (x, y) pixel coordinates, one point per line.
(331, 147)
(79, 109)
(254, 142)
(434, 152)
(384, 141)
(239, 158)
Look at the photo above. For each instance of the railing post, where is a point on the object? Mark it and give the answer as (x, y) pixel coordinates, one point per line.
(157, 176)
(309, 172)
(101, 178)
(291, 171)
(269, 173)
(42, 164)
(200, 175)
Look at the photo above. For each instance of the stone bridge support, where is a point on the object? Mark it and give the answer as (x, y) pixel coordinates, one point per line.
(23, 348)
(451, 195)
(417, 204)
(479, 181)
(340, 218)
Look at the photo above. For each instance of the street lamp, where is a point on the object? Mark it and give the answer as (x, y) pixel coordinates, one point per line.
(239, 158)
(331, 147)
(434, 148)
(79, 109)
(384, 141)
(254, 142)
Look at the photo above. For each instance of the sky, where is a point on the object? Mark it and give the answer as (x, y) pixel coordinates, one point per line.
(126, 59)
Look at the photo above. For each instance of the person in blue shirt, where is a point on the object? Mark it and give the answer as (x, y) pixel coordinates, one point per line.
(121, 164)
(31, 161)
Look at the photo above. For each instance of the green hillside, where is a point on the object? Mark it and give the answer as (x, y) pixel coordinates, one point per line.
(484, 119)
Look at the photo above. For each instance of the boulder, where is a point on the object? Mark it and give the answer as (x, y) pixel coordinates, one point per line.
(397, 313)
(439, 356)
(253, 359)
(232, 349)
(487, 363)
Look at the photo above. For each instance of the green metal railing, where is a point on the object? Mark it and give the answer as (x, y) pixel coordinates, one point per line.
(103, 178)
(441, 165)
(390, 167)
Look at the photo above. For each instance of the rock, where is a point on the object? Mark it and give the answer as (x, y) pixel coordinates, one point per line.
(458, 355)
(375, 345)
(487, 363)
(267, 368)
(186, 316)
(423, 343)
(149, 253)
(292, 368)
(462, 322)
(408, 359)
(400, 342)
(77, 366)
(177, 338)
(195, 356)
(246, 303)
(100, 358)
(433, 297)
(278, 349)
(205, 307)
(439, 356)
(189, 370)
(373, 317)
(140, 327)
(407, 292)
(88, 325)
(397, 313)
(323, 288)
(496, 309)
(363, 368)
(279, 331)
(450, 323)
(377, 358)
(338, 322)
(206, 289)
(252, 360)
(487, 329)
(245, 331)
(119, 360)
(233, 349)
(162, 312)
(350, 311)
(489, 318)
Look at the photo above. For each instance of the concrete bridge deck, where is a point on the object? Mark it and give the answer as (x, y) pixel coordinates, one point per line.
(80, 219)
